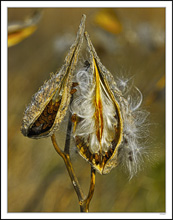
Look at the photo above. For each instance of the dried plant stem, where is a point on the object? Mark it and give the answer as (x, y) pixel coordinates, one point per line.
(69, 167)
(84, 206)
(84, 203)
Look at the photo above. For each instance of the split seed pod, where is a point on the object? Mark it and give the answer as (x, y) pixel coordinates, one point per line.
(49, 105)
(96, 114)
(102, 117)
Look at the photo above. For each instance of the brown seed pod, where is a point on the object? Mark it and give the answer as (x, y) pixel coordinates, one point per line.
(107, 119)
(53, 97)
(100, 128)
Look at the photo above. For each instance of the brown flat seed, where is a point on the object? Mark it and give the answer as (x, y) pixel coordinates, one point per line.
(130, 158)
(77, 139)
(50, 109)
(104, 160)
(41, 120)
(97, 162)
(49, 125)
(57, 104)
(87, 154)
(79, 119)
(83, 145)
(55, 108)
(45, 113)
(73, 117)
(107, 155)
(45, 126)
(50, 117)
(97, 158)
(49, 104)
(52, 121)
(75, 84)
(111, 150)
(116, 116)
(45, 118)
(91, 157)
(73, 91)
(53, 115)
(84, 149)
(114, 144)
(125, 141)
(37, 123)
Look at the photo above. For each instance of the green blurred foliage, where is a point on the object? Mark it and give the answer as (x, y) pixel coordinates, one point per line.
(37, 177)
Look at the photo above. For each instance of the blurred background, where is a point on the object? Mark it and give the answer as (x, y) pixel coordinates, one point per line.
(129, 41)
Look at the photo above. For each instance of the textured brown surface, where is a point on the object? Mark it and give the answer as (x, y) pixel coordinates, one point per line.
(37, 178)
(45, 120)
(58, 85)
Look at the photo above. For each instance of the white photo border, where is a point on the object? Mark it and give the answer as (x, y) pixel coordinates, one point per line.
(4, 96)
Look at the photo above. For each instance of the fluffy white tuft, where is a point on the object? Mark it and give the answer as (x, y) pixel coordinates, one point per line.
(84, 106)
(135, 131)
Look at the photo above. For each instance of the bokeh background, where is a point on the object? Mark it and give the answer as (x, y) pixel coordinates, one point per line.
(129, 41)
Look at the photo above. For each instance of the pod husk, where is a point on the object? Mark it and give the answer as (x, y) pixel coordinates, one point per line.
(59, 82)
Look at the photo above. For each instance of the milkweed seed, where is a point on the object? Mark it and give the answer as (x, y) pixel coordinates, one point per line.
(45, 112)
(111, 151)
(73, 119)
(50, 109)
(75, 84)
(87, 153)
(96, 158)
(45, 126)
(91, 157)
(50, 117)
(37, 123)
(104, 160)
(130, 156)
(73, 91)
(41, 120)
(56, 107)
(107, 155)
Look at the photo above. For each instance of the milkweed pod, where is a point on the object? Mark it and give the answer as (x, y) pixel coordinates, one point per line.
(97, 117)
(49, 105)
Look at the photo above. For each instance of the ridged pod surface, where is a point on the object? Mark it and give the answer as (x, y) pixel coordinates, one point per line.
(97, 116)
(49, 105)
(104, 123)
